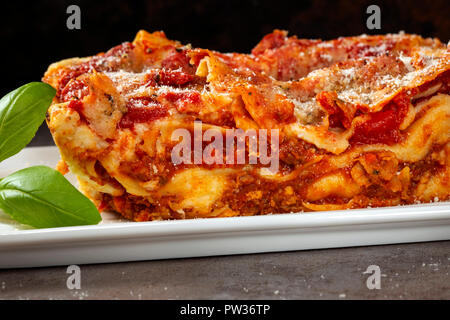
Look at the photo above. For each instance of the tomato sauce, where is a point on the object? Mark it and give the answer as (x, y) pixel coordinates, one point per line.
(72, 74)
(336, 117)
(141, 110)
(75, 89)
(167, 77)
(120, 50)
(382, 126)
(182, 100)
(98, 62)
(78, 106)
(271, 41)
(189, 97)
(177, 59)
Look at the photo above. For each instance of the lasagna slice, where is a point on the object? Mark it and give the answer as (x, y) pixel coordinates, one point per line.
(360, 121)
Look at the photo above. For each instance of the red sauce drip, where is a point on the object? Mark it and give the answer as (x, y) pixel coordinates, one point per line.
(383, 126)
(141, 110)
(75, 89)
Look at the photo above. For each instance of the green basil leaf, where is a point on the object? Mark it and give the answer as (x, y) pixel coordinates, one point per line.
(22, 111)
(42, 198)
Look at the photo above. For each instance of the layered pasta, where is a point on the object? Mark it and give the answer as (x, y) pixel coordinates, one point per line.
(361, 122)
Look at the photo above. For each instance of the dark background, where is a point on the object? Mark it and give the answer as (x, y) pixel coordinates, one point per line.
(34, 34)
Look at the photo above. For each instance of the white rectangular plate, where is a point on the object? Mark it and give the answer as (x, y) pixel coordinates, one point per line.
(115, 240)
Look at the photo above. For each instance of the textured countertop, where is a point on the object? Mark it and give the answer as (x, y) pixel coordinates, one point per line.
(408, 271)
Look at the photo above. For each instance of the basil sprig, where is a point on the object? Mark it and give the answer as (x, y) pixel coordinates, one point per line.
(37, 196)
(22, 111)
(41, 197)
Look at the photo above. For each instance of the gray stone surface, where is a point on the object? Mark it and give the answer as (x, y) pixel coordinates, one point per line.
(409, 271)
